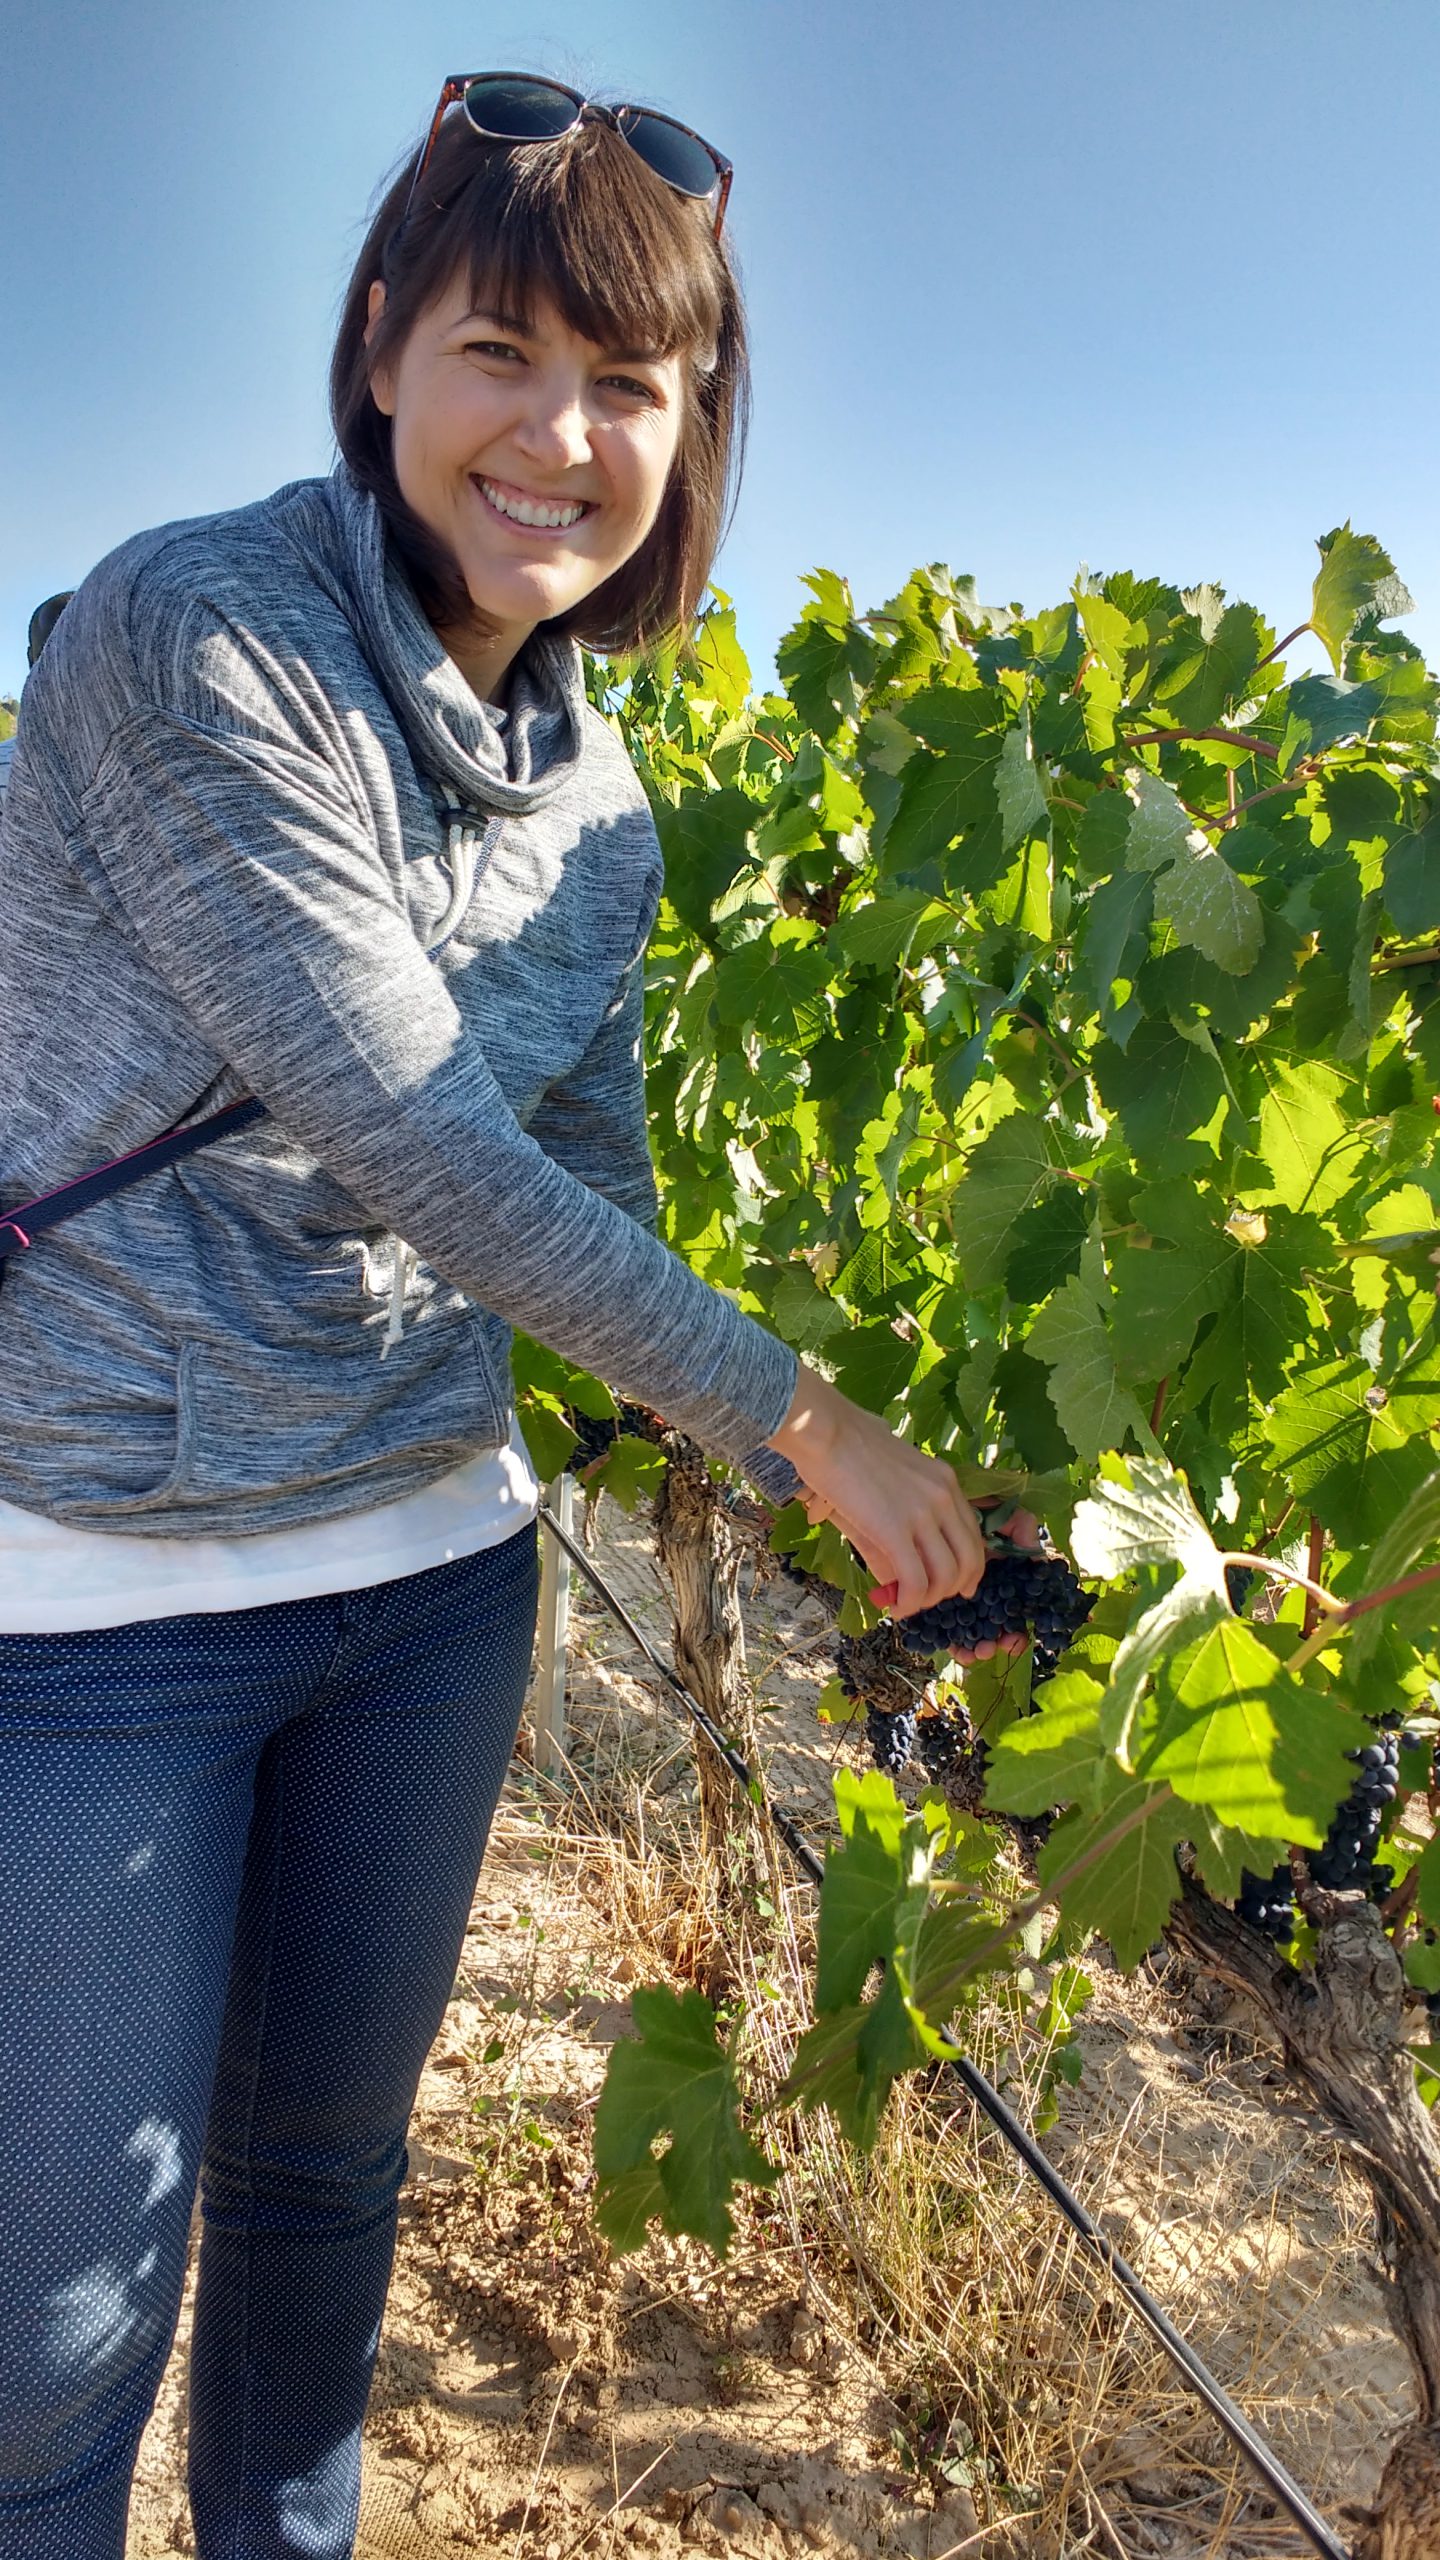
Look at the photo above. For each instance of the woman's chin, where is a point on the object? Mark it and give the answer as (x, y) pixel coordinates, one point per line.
(528, 598)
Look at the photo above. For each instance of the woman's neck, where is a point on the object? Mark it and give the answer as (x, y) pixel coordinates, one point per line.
(485, 664)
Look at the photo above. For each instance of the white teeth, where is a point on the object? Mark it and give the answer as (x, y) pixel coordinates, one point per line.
(529, 510)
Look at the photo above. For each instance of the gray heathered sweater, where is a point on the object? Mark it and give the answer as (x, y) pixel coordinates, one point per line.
(249, 794)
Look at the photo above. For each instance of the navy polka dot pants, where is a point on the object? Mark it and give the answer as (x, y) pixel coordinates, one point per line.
(237, 1857)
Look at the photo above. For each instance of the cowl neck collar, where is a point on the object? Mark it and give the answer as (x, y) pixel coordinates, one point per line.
(507, 762)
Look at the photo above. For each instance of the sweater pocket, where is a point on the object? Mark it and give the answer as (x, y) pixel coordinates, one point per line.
(270, 1438)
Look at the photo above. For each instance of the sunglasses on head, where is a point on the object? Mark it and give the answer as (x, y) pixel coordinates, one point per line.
(511, 106)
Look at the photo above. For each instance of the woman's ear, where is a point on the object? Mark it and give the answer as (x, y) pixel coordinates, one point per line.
(381, 386)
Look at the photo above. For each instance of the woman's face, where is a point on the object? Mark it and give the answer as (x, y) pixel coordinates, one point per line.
(493, 426)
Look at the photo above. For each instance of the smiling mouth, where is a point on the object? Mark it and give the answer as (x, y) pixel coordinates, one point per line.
(533, 515)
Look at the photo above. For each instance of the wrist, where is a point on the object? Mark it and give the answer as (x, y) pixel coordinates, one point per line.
(811, 1423)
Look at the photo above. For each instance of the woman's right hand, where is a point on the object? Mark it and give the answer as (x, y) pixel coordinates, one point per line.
(903, 1511)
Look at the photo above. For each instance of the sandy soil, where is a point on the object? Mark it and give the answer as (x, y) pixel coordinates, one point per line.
(533, 2397)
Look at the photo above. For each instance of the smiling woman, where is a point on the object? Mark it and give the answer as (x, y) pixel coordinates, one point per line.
(308, 805)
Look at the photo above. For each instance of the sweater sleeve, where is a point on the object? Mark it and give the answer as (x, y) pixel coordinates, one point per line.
(593, 1120)
(244, 868)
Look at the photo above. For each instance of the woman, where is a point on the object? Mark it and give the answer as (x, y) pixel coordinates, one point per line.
(307, 804)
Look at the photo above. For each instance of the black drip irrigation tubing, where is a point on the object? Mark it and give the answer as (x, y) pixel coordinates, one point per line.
(1286, 2492)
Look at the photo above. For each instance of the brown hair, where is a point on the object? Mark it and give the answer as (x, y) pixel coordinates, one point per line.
(585, 225)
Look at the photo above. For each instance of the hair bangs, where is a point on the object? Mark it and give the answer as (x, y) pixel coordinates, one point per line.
(586, 227)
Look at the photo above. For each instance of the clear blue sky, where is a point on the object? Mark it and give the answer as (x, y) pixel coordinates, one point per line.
(1144, 282)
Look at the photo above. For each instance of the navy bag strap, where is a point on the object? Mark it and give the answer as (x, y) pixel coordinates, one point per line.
(20, 1226)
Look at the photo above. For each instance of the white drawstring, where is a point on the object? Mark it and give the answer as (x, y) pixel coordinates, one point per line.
(401, 1275)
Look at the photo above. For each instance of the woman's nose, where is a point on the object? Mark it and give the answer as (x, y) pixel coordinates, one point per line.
(556, 429)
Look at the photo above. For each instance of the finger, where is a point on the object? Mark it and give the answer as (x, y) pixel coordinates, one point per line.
(965, 1540)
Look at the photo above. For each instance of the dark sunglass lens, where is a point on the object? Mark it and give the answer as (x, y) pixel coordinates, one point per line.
(520, 110)
(673, 154)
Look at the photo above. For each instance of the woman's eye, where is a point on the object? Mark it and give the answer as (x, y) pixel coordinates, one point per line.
(490, 347)
(627, 382)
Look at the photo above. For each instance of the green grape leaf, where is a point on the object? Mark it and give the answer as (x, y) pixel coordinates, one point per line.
(1019, 790)
(1263, 1752)
(1071, 1336)
(850, 2059)
(706, 844)
(1263, 1312)
(1210, 908)
(1129, 1884)
(1427, 1895)
(778, 982)
(884, 931)
(1143, 1515)
(547, 1435)
(1161, 1295)
(826, 659)
(1411, 1539)
(1412, 877)
(1113, 939)
(882, 1856)
(674, 2078)
(1046, 1241)
(1308, 1142)
(1321, 711)
(1190, 1606)
(1052, 1757)
(1107, 630)
(1355, 576)
(1205, 681)
(1004, 1175)
(1166, 1092)
(630, 1470)
(1345, 1455)
(1160, 831)
(941, 797)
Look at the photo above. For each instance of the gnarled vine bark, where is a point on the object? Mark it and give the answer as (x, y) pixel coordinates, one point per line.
(1342, 2029)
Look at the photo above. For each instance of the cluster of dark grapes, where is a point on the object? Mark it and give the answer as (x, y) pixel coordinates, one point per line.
(1017, 1595)
(1268, 1903)
(1348, 1858)
(891, 1738)
(594, 1439)
(943, 1743)
(890, 1734)
(1238, 1580)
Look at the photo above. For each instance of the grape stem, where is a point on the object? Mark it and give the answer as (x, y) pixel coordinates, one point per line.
(1352, 1609)
(1398, 1905)
(1282, 645)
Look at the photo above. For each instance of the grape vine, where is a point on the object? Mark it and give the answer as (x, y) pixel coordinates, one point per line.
(1044, 1039)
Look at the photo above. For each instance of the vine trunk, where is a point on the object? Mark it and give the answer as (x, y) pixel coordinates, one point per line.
(1342, 2030)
